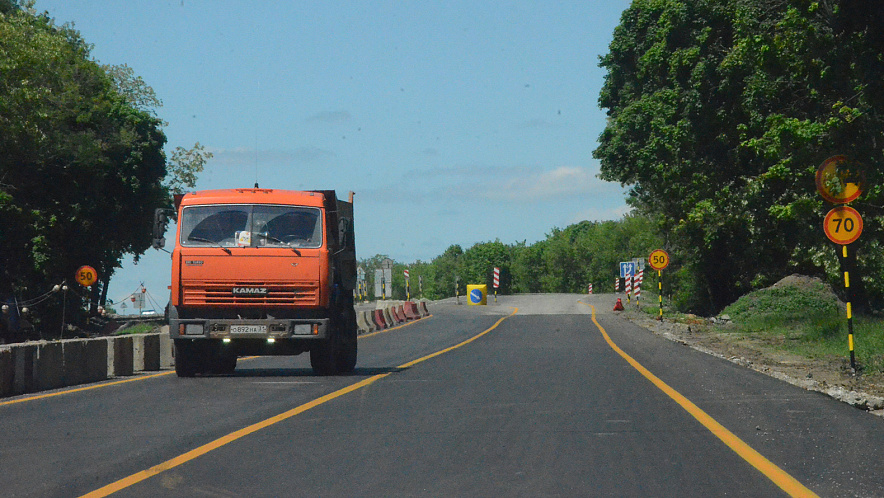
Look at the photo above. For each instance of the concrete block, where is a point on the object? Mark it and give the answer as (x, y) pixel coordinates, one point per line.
(388, 317)
(23, 363)
(137, 353)
(7, 372)
(167, 357)
(95, 354)
(124, 361)
(49, 366)
(379, 320)
(74, 352)
(362, 322)
(109, 343)
(150, 352)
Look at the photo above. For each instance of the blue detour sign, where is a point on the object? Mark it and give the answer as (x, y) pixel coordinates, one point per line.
(478, 294)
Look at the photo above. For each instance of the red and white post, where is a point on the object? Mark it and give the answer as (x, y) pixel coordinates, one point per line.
(496, 282)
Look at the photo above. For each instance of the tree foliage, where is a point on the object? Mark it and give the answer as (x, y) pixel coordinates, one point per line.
(81, 168)
(566, 261)
(719, 114)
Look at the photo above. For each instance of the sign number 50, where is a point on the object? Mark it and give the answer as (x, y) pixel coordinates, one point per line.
(86, 276)
(658, 259)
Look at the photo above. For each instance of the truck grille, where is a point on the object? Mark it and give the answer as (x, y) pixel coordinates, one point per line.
(220, 293)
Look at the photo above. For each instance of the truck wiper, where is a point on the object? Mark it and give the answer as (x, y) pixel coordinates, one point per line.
(201, 239)
(279, 241)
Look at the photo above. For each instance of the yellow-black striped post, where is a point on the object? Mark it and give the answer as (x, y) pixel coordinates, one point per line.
(845, 268)
(660, 291)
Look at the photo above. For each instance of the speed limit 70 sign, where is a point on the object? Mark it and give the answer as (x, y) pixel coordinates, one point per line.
(843, 225)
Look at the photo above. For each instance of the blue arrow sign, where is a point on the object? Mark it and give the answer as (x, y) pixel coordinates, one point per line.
(627, 269)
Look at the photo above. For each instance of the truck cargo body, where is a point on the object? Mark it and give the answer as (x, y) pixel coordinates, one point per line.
(263, 272)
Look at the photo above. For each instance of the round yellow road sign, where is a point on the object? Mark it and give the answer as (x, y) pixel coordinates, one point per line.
(839, 180)
(86, 276)
(843, 225)
(658, 259)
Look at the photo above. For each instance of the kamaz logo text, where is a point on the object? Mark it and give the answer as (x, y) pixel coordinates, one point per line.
(250, 291)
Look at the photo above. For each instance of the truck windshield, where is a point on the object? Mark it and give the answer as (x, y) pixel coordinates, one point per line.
(257, 225)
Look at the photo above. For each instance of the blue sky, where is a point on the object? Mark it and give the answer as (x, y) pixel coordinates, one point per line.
(454, 122)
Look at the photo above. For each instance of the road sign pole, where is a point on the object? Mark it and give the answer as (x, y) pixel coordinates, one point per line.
(659, 259)
(845, 267)
(660, 291)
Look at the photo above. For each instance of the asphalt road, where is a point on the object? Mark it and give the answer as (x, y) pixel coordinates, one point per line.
(539, 405)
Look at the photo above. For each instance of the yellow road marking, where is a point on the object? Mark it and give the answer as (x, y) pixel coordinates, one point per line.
(96, 386)
(78, 389)
(233, 436)
(777, 475)
(145, 377)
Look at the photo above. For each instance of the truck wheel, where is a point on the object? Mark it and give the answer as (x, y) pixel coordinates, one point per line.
(226, 363)
(323, 356)
(349, 344)
(187, 358)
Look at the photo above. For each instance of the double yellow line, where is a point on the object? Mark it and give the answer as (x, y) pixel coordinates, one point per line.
(777, 475)
(233, 436)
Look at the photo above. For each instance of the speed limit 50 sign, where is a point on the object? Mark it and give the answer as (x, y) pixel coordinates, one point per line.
(658, 259)
(86, 276)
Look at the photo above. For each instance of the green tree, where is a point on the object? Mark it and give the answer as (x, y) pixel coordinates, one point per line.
(480, 260)
(81, 169)
(719, 113)
(446, 267)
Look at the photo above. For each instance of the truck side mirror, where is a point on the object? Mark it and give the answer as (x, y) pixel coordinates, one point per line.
(160, 220)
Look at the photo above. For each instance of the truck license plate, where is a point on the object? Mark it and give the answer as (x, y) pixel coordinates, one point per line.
(248, 329)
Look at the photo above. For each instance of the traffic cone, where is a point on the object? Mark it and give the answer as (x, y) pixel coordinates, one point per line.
(619, 305)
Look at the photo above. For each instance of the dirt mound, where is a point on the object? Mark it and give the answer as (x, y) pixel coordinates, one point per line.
(803, 282)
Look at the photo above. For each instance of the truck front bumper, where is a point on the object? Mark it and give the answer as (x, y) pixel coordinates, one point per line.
(196, 328)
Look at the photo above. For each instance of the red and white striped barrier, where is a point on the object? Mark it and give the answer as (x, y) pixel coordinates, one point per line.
(638, 284)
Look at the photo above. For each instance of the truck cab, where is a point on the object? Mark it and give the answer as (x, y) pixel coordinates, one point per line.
(263, 272)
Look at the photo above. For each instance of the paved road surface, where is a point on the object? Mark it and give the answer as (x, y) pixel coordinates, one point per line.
(540, 405)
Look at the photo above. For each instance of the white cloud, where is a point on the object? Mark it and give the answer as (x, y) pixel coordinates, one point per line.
(504, 184)
(549, 184)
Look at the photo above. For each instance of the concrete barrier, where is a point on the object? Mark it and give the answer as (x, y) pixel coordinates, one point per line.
(122, 360)
(39, 366)
(48, 366)
(23, 368)
(167, 355)
(74, 365)
(7, 372)
(388, 317)
(411, 311)
(394, 312)
(363, 323)
(424, 310)
(23, 363)
(379, 319)
(146, 352)
(95, 353)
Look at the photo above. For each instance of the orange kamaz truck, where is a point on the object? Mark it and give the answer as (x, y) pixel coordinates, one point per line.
(262, 272)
